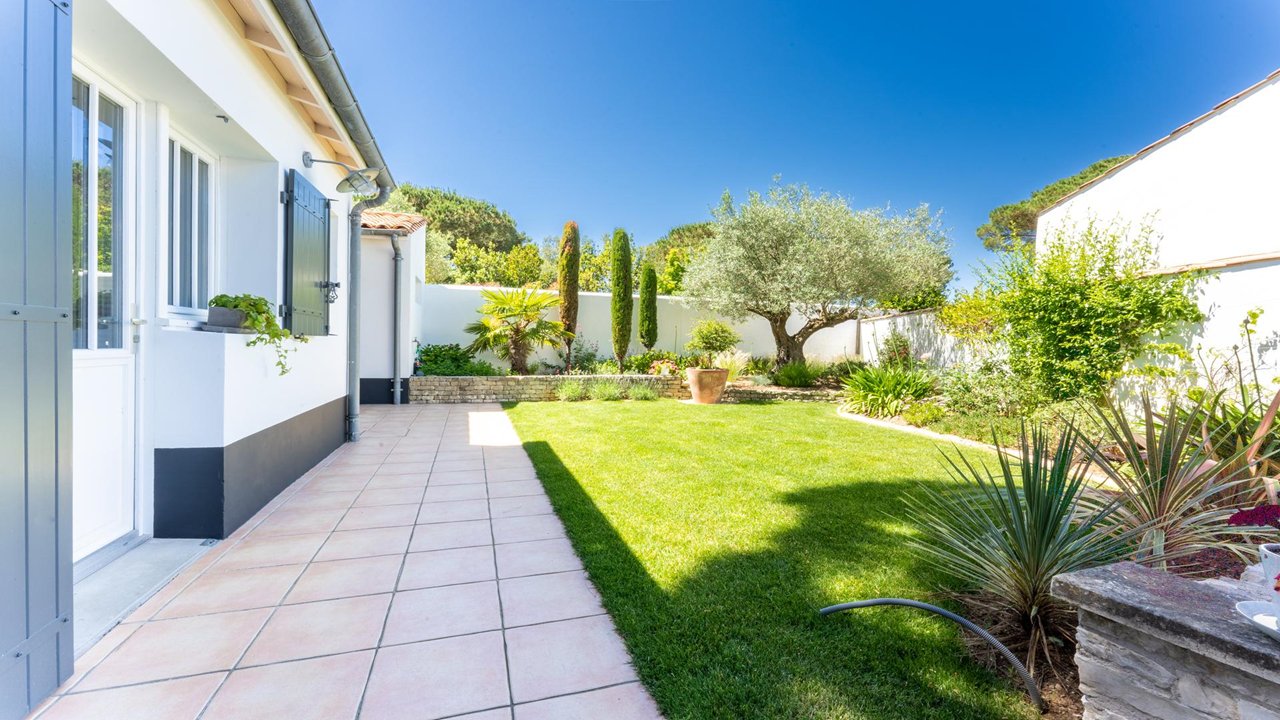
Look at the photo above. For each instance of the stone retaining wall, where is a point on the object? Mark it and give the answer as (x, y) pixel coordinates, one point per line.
(766, 393)
(1154, 646)
(522, 388)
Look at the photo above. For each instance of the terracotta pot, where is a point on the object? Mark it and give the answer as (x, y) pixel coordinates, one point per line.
(706, 384)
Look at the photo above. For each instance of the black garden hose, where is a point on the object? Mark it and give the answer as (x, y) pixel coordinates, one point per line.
(1027, 680)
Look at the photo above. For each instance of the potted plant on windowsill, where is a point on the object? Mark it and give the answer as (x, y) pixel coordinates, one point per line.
(252, 315)
(706, 340)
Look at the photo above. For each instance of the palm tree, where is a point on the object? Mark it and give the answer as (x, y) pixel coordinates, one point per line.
(513, 325)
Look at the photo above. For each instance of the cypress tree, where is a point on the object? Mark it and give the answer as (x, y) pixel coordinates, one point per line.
(567, 281)
(649, 306)
(621, 300)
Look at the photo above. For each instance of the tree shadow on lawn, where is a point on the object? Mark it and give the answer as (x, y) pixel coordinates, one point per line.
(740, 637)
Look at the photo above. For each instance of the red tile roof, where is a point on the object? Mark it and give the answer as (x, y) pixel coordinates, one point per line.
(383, 220)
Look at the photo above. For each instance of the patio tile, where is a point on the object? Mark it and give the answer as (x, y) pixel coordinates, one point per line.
(424, 457)
(437, 679)
(621, 702)
(363, 518)
(360, 471)
(390, 496)
(453, 511)
(387, 482)
(322, 500)
(298, 522)
(267, 551)
(337, 483)
(513, 461)
(515, 488)
(520, 506)
(439, 612)
(524, 529)
(358, 460)
(456, 477)
(326, 688)
(476, 463)
(565, 657)
(510, 474)
(365, 543)
(545, 598)
(447, 567)
(230, 590)
(180, 699)
(442, 536)
(346, 578)
(173, 648)
(320, 628)
(100, 650)
(498, 714)
(404, 468)
(447, 493)
(533, 558)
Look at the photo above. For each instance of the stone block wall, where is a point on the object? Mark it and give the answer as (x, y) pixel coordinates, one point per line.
(1154, 646)
(767, 393)
(522, 388)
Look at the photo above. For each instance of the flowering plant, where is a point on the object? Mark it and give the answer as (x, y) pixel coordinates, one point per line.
(663, 367)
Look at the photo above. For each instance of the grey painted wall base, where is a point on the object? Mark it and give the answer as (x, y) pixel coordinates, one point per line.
(1155, 646)
(209, 492)
(378, 391)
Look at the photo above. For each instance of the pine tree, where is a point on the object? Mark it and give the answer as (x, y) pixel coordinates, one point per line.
(567, 280)
(621, 301)
(649, 307)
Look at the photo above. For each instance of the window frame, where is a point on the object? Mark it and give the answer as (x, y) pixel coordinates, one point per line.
(175, 142)
(125, 264)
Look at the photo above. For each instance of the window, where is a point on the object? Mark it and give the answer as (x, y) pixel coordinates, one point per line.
(98, 158)
(191, 183)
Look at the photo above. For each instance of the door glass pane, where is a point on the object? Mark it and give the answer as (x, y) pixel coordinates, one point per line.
(173, 230)
(185, 188)
(110, 209)
(79, 211)
(202, 235)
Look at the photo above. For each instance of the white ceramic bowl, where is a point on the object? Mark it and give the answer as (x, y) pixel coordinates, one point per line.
(1262, 613)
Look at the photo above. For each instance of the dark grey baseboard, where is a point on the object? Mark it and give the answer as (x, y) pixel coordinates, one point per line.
(209, 492)
(377, 391)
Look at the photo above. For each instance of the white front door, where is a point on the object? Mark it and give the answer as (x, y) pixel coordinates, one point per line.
(103, 389)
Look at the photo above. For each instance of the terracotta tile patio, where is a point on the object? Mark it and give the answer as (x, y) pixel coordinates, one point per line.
(419, 573)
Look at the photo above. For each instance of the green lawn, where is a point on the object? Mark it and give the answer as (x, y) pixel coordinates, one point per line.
(715, 533)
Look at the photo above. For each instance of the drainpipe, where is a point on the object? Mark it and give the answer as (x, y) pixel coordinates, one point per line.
(353, 313)
(395, 320)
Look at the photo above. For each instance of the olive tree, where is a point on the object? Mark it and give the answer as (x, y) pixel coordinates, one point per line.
(793, 253)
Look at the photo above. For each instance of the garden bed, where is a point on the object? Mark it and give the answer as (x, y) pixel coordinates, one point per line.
(740, 392)
(427, 389)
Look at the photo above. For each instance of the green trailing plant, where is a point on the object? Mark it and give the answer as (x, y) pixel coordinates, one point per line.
(797, 374)
(923, 413)
(571, 391)
(451, 360)
(1167, 484)
(260, 317)
(885, 391)
(513, 325)
(642, 391)
(568, 267)
(1006, 533)
(621, 301)
(709, 337)
(648, 307)
(606, 390)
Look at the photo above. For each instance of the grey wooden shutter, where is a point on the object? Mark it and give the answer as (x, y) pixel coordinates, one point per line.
(35, 352)
(306, 309)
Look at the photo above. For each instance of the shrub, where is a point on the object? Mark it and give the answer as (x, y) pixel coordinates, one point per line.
(885, 391)
(642, 391)
(798, 374)
(1007, 533)
(735, 361)
(568, 266)
(987, 388)
(664, 367)
(571, 391)
(711, 336)
(841, 369)
(759, 366)
(606, 390)
(648, 307)
(895, 351)
(924, 413)
(450, 360)
(620, 300)
(643, 361)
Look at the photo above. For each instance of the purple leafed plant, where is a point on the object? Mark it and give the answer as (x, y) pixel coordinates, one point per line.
(1261, 516)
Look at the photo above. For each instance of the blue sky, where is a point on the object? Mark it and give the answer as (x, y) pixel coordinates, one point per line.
(639, 114)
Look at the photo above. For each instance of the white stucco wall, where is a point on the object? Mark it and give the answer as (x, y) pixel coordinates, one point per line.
(377, 298)
(1210, 192)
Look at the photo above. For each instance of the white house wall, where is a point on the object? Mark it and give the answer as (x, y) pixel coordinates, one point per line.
(376, 301)
(1210, 192)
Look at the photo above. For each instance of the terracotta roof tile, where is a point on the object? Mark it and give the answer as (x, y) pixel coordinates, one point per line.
(383, 220)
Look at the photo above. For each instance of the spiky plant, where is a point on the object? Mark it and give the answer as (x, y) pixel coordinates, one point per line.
(1006, 533)
(648, 307)
(512, 325)
(568, 267)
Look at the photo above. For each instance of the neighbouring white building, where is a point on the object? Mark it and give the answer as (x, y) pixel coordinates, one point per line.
(1210, 190)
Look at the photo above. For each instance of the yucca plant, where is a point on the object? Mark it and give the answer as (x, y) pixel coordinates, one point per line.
(513, 325)
(1006, 533)
(1167, 481)
(885, 391)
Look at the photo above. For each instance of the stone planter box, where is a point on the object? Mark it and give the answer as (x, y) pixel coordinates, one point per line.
(522, 388)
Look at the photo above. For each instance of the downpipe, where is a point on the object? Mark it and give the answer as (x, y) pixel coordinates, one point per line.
(353, 311)
(1029, 682)
(396, 264)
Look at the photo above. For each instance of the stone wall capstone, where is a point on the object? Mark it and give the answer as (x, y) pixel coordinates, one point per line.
(523, 388)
